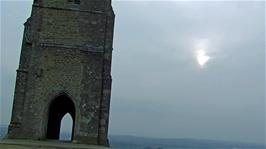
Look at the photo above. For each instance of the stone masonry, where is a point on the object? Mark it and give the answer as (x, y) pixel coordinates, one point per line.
(65, 67)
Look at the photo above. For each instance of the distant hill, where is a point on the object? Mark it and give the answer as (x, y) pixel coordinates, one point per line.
(3, 131)
(131, 142)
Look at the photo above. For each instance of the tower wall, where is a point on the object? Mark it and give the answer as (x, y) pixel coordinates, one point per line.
(67, 49)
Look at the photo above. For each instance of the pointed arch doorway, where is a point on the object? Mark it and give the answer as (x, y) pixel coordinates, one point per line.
(59, 107)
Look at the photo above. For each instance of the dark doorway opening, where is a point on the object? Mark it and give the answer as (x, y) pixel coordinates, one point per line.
(59, 107)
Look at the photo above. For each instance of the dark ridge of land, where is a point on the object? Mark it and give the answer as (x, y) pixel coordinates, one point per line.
(132, 142)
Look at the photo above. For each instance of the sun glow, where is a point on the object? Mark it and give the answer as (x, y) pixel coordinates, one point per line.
(202, 58)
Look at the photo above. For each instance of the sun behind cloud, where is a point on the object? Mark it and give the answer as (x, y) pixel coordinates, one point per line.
(202, 58)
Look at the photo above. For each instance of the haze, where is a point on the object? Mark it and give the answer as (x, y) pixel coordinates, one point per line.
(159, 88)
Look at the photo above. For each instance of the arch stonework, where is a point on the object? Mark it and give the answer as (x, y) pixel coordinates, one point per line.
(58, 108)
(45, 110)
(66, 50)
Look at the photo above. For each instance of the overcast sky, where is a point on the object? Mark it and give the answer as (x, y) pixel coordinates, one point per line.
(159, 88)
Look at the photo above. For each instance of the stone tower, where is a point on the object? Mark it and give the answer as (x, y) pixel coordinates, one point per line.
(65, 67)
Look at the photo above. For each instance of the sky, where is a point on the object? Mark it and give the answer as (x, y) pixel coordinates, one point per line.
(159, 87)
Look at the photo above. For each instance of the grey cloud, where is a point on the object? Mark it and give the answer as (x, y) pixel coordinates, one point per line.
(158, 88)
